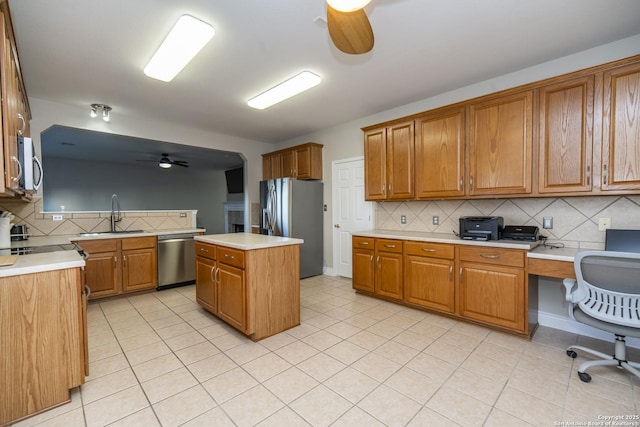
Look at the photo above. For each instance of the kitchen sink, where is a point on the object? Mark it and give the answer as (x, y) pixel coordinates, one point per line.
(104, 233)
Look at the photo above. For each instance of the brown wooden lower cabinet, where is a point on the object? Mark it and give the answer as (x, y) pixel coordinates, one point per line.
(117, 266)
(428, 275)
(42, 341)
(256, 291)
(482, 284)
(388, 272)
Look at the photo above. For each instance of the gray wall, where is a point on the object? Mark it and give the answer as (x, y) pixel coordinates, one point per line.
(88, 186)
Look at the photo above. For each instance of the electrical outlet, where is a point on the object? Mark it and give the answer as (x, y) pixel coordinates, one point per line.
(604, 223)
(57, 217)
(403, 219)
(547, 222)
(435, 220)
(183, 214)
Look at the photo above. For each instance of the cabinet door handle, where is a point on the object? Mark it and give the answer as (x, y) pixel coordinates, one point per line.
(588, 174)
(218, 275)
(363, 243)
(17, 178)
(124, 260)
(384, 189)
(389, 246)
(471, 182)
(371, 260)
(460, 184)
(460, 274)
(429, 250)
(451, 273)
(204, 250)
(212, 275)
(115, 261)
(229, 256)
(490, 256)
(378, 261)
(24, 124)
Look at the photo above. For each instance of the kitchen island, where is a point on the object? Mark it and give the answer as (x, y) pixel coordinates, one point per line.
(251, 281)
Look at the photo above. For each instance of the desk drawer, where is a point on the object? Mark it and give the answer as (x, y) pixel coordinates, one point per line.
(491, 255)
(433, 250)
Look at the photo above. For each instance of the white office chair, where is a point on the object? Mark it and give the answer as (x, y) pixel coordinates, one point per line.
(606, 295)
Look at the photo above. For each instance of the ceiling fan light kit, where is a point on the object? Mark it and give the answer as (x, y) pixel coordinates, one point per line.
(285, 90)
(166, 163)
(347, 5)
(183, 43)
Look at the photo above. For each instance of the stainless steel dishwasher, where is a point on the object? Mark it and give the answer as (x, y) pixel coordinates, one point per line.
(176, 260)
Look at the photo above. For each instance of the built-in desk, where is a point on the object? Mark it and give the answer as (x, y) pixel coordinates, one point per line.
(552, 262)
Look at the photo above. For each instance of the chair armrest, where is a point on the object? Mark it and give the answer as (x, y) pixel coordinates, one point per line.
(572, 294)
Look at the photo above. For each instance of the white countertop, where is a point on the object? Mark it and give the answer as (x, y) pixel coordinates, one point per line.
(552, 253)
(444, 238)
(248, 241)
(36, 241)
(48, 261)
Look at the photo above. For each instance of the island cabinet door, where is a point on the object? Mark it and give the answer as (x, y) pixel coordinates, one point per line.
(232, 296)
(205, 284)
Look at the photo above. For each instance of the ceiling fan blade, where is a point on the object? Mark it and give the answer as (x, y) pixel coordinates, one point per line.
(180, 163)
(350, 31)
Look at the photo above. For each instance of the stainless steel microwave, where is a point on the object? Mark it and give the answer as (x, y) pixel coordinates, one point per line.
(31, 177)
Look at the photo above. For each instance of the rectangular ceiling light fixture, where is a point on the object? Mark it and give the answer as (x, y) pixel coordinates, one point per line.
(287, 89)
(183, 43)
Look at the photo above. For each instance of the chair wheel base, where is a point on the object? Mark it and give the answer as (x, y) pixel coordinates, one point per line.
(572, 354)
(584, 377)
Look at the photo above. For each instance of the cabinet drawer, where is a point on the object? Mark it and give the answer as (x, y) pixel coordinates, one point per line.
(489, 255)
(434, 250)
(100, 245)
(363, 243)
(230, 256)
(205, 250)
(388, 245)
(138, 243)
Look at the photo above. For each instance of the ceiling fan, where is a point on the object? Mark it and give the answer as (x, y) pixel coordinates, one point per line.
(349, 26)
(165, 162)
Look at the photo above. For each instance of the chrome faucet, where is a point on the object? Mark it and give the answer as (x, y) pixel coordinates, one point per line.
(115, 211)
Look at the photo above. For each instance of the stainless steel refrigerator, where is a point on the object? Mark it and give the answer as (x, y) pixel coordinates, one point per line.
(294, 208)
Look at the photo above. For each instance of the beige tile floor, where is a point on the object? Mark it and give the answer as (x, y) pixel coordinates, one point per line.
(159, 360)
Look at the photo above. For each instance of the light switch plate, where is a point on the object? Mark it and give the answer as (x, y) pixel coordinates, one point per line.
(547, 222)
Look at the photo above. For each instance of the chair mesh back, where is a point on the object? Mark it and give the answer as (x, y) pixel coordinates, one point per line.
(613, 288)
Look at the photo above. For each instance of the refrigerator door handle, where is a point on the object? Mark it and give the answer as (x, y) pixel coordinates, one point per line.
(271, 208)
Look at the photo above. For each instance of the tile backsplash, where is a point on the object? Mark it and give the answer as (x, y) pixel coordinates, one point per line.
(575, 219)
(42, 224)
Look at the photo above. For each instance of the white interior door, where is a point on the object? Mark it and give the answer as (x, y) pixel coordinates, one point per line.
(350, 211)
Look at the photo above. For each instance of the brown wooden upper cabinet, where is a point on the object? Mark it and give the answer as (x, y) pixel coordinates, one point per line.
(301, 162)
(440, 154)
(389, 162)
(621, 129)
(565, 136)
(500, 145)
(15, 112)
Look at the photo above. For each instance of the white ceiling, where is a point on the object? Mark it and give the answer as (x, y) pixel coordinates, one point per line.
(80, 52)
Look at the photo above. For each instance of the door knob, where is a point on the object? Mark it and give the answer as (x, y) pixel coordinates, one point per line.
(337, 226)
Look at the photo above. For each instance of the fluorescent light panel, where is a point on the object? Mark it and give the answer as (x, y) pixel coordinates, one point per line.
(183, 43)
(295, 85)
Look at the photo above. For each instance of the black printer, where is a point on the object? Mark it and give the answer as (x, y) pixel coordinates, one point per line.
(481, 227)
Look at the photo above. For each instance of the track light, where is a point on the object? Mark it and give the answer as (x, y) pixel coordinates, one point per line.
(106, 111)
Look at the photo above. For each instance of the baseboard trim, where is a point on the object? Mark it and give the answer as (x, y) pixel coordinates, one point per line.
(569, 325)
